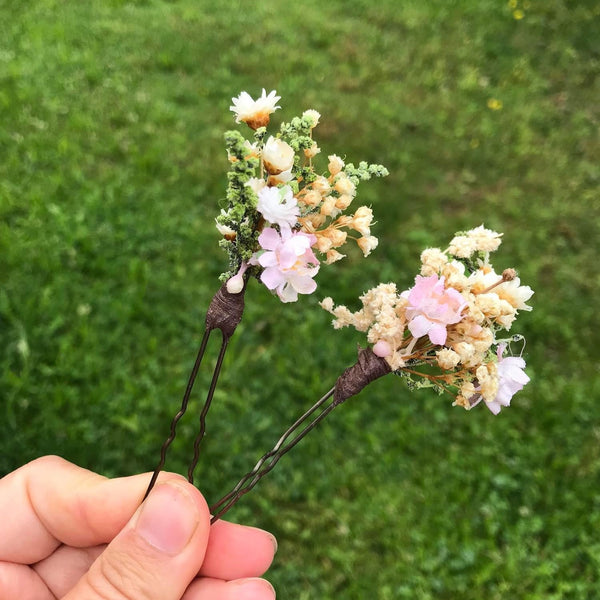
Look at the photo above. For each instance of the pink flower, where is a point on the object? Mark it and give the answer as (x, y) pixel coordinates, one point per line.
(431, 307)
(289, 263)
(511, 379)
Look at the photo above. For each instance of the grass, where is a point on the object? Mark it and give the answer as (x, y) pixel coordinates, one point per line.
(111, 166)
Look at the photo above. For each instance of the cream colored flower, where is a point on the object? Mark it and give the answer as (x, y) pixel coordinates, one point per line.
(487, 376)
(324, 243)
(226, 232)
(367, 244)
(337, 237)
(321, 185)
(281, 178)
(432, 261)
(312, 151)
(255, 113)
(479, 239)
(328, 207)
(313, 116)
(343, 185)
(336, 164)
(312, 222)
(461, 246)
(489, 304)
(468, 395)
(362, 219)
(256, 184)
(309, 198)
(454, 274)
(447, 359)
(333, 256)
(343, 202)
(515, 293)
(277, 155)
(485, 240)
(327, 304)
(465, 351)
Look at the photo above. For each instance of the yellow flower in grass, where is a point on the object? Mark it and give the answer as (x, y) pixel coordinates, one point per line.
(494, 104)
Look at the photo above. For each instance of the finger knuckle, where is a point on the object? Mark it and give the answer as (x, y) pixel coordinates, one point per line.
(119, 577)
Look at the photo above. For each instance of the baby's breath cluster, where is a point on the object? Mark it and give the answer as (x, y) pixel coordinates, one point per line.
(282, 216)
(446, 331)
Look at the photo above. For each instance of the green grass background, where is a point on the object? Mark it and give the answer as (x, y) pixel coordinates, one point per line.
(111, 167)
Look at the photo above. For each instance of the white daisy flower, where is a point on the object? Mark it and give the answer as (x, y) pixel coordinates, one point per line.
(255, 113)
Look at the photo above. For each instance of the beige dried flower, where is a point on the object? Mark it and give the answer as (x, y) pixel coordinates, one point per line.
(367, 244)
(336, 164)
(447, 359)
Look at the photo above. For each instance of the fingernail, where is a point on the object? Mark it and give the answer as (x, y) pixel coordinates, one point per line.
(271, 537)
(168, 518)
(253, 588)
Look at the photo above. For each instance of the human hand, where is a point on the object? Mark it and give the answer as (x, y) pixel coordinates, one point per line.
(71, 534)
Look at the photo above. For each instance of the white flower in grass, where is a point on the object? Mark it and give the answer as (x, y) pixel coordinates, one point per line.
(278, 206)
(255, 113)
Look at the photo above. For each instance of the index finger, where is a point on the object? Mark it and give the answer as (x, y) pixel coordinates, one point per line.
(52, 502)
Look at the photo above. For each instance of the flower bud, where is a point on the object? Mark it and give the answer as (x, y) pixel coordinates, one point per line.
(336, 164)
(367, 244)
(277, 156)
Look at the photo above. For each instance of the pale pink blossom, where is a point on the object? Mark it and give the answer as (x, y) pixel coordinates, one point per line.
(511, 379)
(288, 261)
(432, 307)
(278, 206)
(382, 349)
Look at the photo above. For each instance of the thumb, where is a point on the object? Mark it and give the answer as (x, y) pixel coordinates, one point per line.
(157, 554)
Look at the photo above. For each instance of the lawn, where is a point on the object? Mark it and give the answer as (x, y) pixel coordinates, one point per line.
(112, 165)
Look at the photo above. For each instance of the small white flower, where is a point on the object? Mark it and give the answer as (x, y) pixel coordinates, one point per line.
(277, 156)
(225, 231)
(278, 206)
(256, 184)
(313, 116)
(515, 293)
(281, 178)
(255, 113)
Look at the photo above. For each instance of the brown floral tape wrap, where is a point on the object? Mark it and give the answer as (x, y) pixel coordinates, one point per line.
(225, 311)
(367, 368)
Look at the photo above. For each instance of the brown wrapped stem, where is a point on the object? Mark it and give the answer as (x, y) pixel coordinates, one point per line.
(225, 311)
(367, 368)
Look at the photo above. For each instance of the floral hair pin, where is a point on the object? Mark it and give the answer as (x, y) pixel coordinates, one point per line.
(280, 221)
(448, 332)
